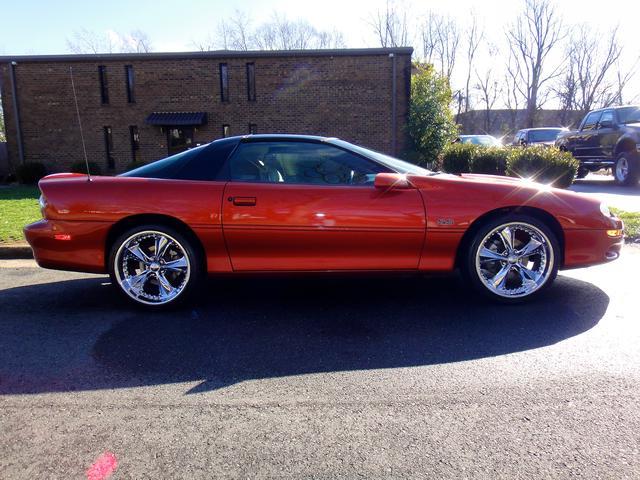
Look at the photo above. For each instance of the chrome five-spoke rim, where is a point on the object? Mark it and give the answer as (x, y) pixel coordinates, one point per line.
(152, 267)
(514, 260)
(622, 168)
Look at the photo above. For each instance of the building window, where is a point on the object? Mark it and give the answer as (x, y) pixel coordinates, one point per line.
(135, 143)
(104, 87)
(226, 130)
(224, 82)
(128, 70)
(251, 82)
(108, 147)
(253, 128)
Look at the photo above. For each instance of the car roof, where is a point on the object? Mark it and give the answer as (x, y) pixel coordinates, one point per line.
(280, 136)
(542, 128)
(617, 107)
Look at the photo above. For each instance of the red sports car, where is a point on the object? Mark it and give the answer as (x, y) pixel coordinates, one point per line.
(289, 203)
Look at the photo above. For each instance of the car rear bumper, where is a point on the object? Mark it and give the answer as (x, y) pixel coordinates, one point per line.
(61, 245)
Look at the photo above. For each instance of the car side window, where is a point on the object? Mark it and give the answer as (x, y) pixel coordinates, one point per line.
(304, 163)
(606, 120)
(591, 121)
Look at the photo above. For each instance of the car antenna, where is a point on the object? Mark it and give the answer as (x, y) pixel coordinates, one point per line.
(84, 148)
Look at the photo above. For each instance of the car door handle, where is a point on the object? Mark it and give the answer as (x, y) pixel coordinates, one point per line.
(243, 201)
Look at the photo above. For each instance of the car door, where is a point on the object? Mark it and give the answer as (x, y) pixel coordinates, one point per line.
(303, 205)
(607, 135)
(586, 140)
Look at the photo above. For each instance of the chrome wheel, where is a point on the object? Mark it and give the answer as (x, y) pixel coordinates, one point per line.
(514, 260)
(152, 267)
(622, 169)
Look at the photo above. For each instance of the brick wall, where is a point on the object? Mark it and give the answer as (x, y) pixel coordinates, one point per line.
(345, 94)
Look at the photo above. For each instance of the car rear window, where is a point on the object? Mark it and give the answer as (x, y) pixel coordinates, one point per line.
(200, 163)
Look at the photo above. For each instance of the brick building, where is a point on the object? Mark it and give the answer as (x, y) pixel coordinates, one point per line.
(145, 106)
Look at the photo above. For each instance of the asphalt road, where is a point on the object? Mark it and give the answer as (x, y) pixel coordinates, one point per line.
(326, 378)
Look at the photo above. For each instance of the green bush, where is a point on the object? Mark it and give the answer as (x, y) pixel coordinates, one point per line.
(544, 165)
(490, 160)
(457, 157)
(134, 165)
(81, 167)
(430, 124)
(30, 172)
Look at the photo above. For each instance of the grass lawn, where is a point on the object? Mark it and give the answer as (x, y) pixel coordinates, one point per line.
(631, 223)
(18, 207)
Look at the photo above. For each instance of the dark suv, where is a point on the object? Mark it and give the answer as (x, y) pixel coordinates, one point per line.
(607, 138)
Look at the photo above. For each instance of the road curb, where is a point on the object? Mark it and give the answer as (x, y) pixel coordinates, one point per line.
(15, 252)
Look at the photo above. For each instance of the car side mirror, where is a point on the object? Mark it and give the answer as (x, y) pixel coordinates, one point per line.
(388, 181)
(606, 124)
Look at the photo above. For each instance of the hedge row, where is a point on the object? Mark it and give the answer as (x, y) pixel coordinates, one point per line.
(541, 164)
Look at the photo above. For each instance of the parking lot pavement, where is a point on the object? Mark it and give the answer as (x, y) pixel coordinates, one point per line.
(321, 377)
(604, 188)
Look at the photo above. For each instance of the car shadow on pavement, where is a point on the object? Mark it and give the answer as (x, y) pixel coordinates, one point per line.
(78, 335)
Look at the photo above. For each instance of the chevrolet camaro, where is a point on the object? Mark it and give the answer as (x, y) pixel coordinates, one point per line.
(290, 203)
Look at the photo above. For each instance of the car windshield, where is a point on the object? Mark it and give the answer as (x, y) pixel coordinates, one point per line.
(400, 166)
(629, 115)
(548, 135)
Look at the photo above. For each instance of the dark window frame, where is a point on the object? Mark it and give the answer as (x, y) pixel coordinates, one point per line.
(253, 129)
(104, 84)
(607, 112)
(134, 138)
(223, 69)
(226, 130)
(251, 82)
(108, 146)
(593, 125)
(129, 76)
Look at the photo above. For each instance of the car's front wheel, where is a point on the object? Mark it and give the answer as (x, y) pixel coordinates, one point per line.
(154, 265)
(626, 171)
(512, 258)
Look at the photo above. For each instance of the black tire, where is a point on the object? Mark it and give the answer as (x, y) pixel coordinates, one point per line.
(472, 272)
(186, 280)
(626, 170)
(582, 172)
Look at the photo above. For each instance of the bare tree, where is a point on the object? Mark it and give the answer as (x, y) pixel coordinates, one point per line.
(279, 33)
(622, 78)
(475, 35)
(488, 87)
(390, 26)
(440, 42)
(136, 42)
(87, 41)
(535, 33)
(512, 90)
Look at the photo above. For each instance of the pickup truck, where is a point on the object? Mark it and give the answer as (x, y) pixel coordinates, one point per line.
(607, 138)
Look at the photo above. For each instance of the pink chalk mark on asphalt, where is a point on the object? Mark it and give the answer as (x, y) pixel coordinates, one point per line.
(103, 467)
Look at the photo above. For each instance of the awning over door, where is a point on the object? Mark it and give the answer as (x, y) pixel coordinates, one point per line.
(171, 119)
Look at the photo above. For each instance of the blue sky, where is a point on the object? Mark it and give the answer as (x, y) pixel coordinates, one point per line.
(39, 26)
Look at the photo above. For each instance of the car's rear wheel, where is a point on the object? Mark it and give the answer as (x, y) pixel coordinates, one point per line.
(512, 258)
(626, 171)
(154, 265)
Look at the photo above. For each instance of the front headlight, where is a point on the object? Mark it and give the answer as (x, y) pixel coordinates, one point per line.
(604, 209)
